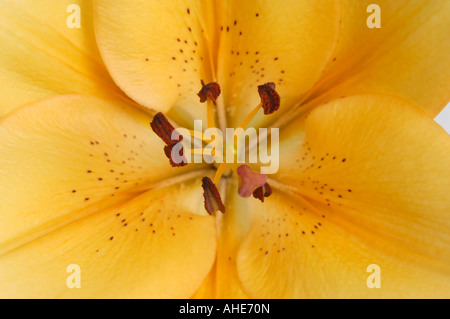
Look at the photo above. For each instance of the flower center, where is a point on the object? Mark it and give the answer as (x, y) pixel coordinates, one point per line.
(226, 151)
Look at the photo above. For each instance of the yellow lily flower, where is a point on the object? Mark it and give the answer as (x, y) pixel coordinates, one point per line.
(364, 170)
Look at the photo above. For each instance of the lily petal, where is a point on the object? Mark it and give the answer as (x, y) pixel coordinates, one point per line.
(388, 171)
(153, 246)
(42, 57)
(406, 57)
(285, 42)
(293, 252)
(160, 66)
(223, 280)
(368, 187)
(65, 157)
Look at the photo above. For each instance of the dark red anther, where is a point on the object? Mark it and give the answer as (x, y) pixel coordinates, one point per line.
(262, 191)
(209, 91)
(213, 202)
(177, 159)
(269, 98)
(162, 127)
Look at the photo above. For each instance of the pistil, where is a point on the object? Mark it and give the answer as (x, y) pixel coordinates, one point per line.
(249, 180)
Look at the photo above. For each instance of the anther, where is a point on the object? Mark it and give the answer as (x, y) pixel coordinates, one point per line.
(213, 202)
(180, 159)
(270, 99)
(162, 127)
(270, 102)
(209, 91)
(262, 191)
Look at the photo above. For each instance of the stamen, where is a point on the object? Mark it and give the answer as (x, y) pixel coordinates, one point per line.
(250, 116)
(209, 91)
(262, 191)
(201, 137)
(197, 134)
(270, 102)
(181, 159)
(249, 180)
(211, 155)
(197, 151)
(269, 98)
(219, 172)
(213, 202)
(162, 127)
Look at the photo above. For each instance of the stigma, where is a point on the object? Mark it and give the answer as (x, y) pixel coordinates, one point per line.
(250, 181)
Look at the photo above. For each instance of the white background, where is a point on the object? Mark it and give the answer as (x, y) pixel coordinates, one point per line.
(444, 118)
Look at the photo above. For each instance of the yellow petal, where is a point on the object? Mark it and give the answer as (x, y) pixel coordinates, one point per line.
(153, 246)
(206, 289)
(406, 57)
(285, 42)
(223, 281)
(381, 161)
(161, 64)
(41, 56)
(295, 250)
(65, 157)
(374, 172)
